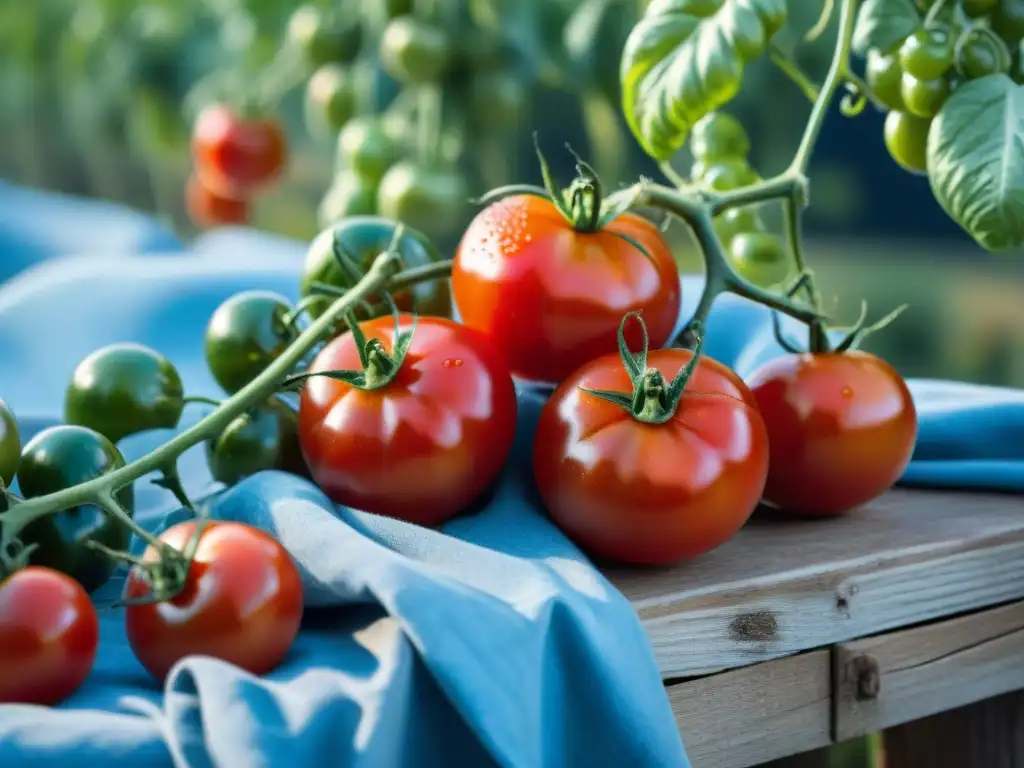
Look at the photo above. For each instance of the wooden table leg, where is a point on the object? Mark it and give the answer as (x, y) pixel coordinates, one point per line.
(988, 734)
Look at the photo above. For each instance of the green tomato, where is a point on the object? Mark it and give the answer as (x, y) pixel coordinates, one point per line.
(323, 37)
(246, 334)
(906, 138)
(124, 388)
(760, 257)
(884, 76)
(432, 201)
(10, 445)
(498, 100)
(366, 147)
(975, 8)
(58, 458)
(330, 100)
(982, 53)
(363, 238)
(412, 51)
(924, 98)
(258, 440)
(928, 53)
(349, 195)
(719, 136)
(1007, 21)
(725, 175)
(736, 221)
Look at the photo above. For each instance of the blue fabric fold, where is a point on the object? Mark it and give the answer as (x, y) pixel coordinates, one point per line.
(492, 641)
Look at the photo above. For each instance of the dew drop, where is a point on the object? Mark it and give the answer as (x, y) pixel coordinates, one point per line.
(448, 363)
(458, 363)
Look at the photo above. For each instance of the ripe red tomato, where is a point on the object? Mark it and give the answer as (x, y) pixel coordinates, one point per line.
(242, 602)
(643, 493)
(235, 156)
(209, 209)
(422, 447)
(48, 637)
(551, 298)
(841, 427)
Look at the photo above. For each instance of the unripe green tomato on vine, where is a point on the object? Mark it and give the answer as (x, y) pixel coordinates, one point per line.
(349, 195)
(725, 175)
(718, 136)
(982, 53)
(434, 201)
(975, 8)
(1007, 21)
(323, 37)
(246, 333)
(736, 221)
(412, 51)
(924, 98)
(261, 439)
(367, 148)
(906, 138)
(928, 53)
(760, 257)
(884, 76)
(330, 99)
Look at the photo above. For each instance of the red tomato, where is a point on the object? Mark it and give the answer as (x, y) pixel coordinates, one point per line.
(842, 428)
(424, 446)
(235, 156)
(551, 298)
(242, 602)
(209, 209)
(644, 493)
(48, 637)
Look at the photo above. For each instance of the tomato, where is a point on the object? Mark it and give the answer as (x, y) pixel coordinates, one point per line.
(725, 175)
(242, 601)
(906, 138)
(432, 201)
(737, 221)
(124, 388)
(349, 195)
(323, 37)
(263, 438)
(412, 51)
(422, 446)
(651, 493)
(246, 334)
(924, 98)
(982, 53)
(330, 99)
(10, 444)
(718, 137)
(760, 257)
(234, 156)
(928, 53)
(58, 458)
(211, 209)
(884, 77)
(1008, 21)
(549, 297)
(49, 634)
(367, 148)
(841, 428)
(364, 238)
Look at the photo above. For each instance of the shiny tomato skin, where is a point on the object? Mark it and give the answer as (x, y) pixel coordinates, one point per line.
(841, 427)
(207, 208)
(426, 445)
(48, 637)
(242, 602)
(235, 156)
(551, 298)
(651, 494)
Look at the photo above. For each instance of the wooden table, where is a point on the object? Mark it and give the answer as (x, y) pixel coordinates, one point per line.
(801, 633)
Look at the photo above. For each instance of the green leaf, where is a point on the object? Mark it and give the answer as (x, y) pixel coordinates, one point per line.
(685, 59)
(884, 24)
(976, 160)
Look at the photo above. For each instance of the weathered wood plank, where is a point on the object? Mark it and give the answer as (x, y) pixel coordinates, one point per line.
(884, 681)
(783, 585)
(748, 716)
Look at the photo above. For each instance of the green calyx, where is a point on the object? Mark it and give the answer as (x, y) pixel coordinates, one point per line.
(653, 400)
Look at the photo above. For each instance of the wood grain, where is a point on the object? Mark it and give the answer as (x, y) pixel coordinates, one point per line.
(748, 716)
(782, 586)
(918, 672)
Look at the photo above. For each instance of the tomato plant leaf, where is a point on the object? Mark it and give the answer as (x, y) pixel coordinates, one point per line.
(685, 59)
(976, 160)
(884, 24)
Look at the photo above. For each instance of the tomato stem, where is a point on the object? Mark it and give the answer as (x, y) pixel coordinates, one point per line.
(170, 480)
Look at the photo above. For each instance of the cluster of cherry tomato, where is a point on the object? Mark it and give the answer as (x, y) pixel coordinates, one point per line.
(913, 79)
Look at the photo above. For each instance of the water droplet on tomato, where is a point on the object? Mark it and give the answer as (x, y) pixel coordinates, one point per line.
(458, 363)
(847, 392)
(447, 363)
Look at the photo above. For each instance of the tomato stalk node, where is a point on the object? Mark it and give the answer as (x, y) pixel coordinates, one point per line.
(170, 480)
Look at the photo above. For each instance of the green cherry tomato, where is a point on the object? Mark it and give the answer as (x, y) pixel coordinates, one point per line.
(124, 388)
(1008, 21)
(367, 148)
(928, 53)
(976, 8)
(261, 439)
(981, 53)
(349, 195)
(884, 76)
(906, 138)
(924, 98)
(412, 51)
(432, 201)
(246, 334)
(719, 136)
(363, 238)
(10, 444)
(498, 100)
(330, 100)
(58, 458)
(725, 175)
(736, 221)
(323, 37)
(760, 258)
